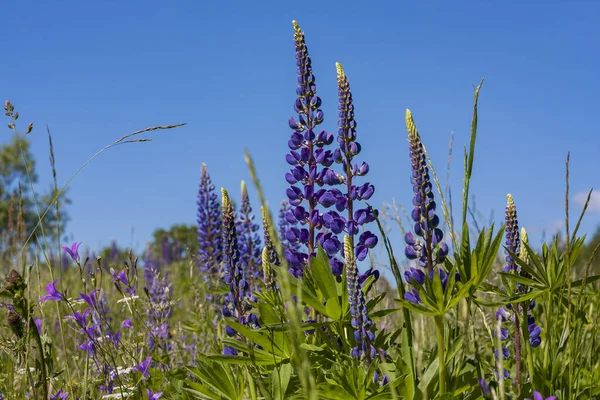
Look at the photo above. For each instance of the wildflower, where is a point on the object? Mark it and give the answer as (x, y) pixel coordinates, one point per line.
(126, 324)
(286, 221)
(59, 395)
(361, 323)
(144, 367)
(236, 304)
(53, 294)
(38, 324)
(209, 226)
(307, 181)
(152, 395)
(248, 238)
(73, 251)
(159, 312)
(348, 149)
(89, 299)
(485, 388)
(426, 244)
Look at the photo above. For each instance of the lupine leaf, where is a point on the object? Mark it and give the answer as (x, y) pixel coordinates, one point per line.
(321, 271)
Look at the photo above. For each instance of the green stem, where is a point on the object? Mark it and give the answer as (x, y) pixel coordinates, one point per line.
(528, 345)
(38, 340)
(439, 325)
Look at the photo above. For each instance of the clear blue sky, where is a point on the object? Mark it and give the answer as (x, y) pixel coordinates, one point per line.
(97, 70)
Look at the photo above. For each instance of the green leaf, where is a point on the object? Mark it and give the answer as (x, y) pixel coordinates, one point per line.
(311, 347)
(254, 336)
(321, 270)
(418, 307)
(334, 310)
(590, 279)
(281, 380)
(268, 315)
(520, 279)
(383, 313)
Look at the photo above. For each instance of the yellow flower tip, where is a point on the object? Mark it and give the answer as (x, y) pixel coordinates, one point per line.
(340, 70)
(243, 187)
(226, 202)
(510, 201)
(265, 256)
(296, 26)
(524, 236)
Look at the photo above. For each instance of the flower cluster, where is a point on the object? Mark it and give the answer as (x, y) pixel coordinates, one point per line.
(358, 309)
(159, 290)
(209, 227)
(427, 246)
(344, 155)
(284, 225)
(237, 302)
(249, 243)
(310, 172)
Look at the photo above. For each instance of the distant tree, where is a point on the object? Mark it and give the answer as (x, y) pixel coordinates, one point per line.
(19, 209)
(587, 251)
(177, 243)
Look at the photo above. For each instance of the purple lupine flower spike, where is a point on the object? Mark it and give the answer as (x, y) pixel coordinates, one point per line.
(53, 293)
(348, 149)
(310, 172)
(425, 245)
(286, 221)
(209, 227)
(73, 251)
(236, 303)
(361, 323)
(249, 242)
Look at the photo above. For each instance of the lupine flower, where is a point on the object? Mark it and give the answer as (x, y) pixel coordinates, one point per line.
(538, 396)
(271, 250)
(358, 309)
(485, 388)
(307, 181)
(534, 331)
(248, 237)
(236, 301)
(152, 395)
(209, 226)
(284, 224)
(53, 294)
(73, 251)
(427, 246)
(513, 240)
(348, 149)
(59, 395)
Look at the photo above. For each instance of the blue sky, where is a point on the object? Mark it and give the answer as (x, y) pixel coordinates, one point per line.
(94, 71)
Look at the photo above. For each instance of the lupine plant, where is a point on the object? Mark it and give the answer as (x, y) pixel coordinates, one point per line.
(306, 312)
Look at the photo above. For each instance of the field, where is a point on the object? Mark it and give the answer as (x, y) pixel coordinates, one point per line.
(269, 300)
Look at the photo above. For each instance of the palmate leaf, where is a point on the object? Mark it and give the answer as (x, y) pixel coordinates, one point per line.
(215, 376)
